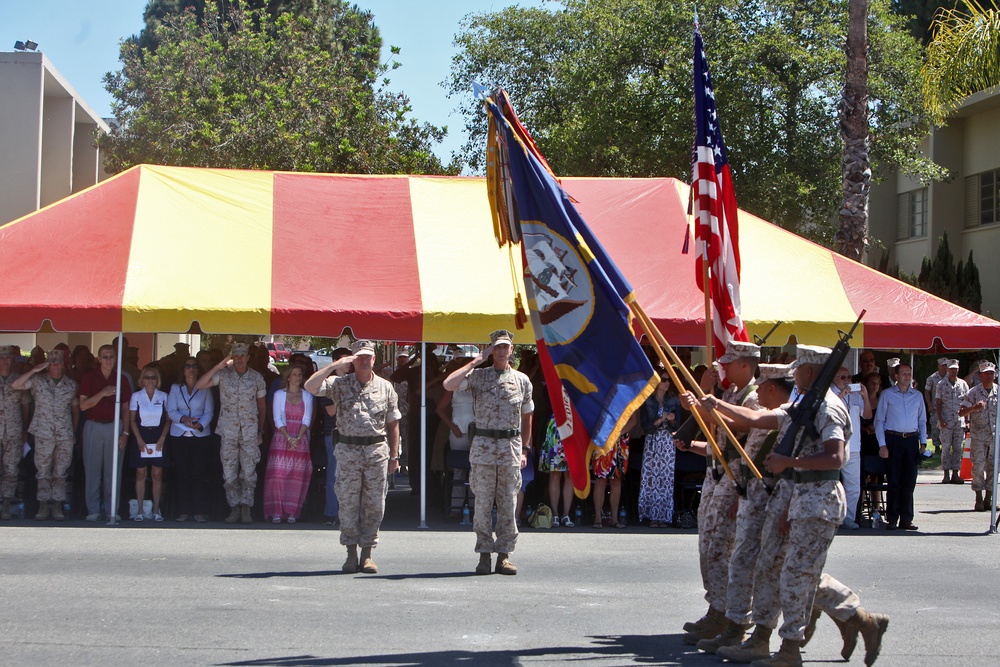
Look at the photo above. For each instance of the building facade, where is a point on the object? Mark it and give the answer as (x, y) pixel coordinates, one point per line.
(47, 136)
(910, 218)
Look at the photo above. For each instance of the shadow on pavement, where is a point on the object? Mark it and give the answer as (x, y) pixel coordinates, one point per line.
(268, 575)
(624, 649)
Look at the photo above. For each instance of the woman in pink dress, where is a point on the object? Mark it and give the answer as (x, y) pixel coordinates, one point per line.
(289, 465)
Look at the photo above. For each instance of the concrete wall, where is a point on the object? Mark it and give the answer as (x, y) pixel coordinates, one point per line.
(20, 135)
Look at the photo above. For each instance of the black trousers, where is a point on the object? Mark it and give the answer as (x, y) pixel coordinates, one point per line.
(191, 460)
(902, 477)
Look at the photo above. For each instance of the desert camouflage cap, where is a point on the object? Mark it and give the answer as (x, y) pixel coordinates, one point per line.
(987, 367)
(501, 337)
(810, 354)
(892, 363)
(953, 363)
(363, 347)
(56, 357)
(739, 350)
(240, 349)
(774, 371)
(943, 361)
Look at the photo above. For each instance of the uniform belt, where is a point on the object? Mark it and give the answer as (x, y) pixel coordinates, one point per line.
(902, 435)
(494, 432)
(102, 421)
(359, 439)
(802, 476)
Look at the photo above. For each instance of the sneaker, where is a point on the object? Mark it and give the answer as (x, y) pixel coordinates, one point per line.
(850, 525)
(93, 517)
(182, 518)
(276, 519)
(291, 519)
(200, 518)
(567, 523)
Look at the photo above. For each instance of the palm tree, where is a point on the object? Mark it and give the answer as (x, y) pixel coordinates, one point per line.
(852, 235)
(963, 57)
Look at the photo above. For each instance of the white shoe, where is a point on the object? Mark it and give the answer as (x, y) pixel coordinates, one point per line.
(276, 519)
(567, 523)
(291, 519)
(555, 522)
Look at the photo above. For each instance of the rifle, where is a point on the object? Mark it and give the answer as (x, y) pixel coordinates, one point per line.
(803, 413)
(761, 341)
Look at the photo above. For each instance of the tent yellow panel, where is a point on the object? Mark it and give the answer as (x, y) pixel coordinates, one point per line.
(466, 280)
(201, 250)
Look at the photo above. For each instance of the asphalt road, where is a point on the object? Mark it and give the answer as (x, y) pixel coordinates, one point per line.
(149, 594)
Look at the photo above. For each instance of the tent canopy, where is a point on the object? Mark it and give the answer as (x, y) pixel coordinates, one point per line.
(157, 249)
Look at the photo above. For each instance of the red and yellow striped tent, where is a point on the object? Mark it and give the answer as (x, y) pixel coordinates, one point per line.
(163, 249)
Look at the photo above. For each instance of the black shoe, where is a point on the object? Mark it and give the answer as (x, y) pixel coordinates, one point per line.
(890, 526)
(908, 526)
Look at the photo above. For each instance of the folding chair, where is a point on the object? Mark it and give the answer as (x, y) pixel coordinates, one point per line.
(873, 490)
(456, 459)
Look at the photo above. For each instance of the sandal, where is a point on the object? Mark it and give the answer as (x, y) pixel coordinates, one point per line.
(291, 519)
(276, 519)
(157, 517)
(567, 523)
(598, 524)
(138, 517)
(619, 525)
(654, 524)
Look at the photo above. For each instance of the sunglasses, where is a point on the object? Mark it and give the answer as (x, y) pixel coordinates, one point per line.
(149, 378)
(843, 377)
(190, 365)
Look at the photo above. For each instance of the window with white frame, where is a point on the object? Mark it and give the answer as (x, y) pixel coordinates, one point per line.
(912, 215)
(982, 198)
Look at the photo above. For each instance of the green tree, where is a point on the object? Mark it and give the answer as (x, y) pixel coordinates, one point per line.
(962, 58)
(605, 88)
(959, 284)
(220, 91)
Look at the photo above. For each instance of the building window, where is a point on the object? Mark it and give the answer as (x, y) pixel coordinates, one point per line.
(912, 215)
(982, 199)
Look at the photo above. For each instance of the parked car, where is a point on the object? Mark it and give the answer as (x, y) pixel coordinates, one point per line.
(278, 351)
(322, 357)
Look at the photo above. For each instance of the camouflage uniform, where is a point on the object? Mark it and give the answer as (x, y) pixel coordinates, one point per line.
(815, 511)
(499, 399)
(11, 434)
(951, 396)
(746, 545)
(981, 434)
(238, 429)
(362, 470)
(52, 426)
(718, 532)
(931, 385)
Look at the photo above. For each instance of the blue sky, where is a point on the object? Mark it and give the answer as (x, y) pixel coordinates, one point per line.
(81, 39)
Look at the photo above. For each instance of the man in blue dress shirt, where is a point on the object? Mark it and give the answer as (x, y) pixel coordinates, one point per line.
(901, 430)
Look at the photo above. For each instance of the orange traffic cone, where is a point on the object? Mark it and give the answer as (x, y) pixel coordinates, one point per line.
(966, 470)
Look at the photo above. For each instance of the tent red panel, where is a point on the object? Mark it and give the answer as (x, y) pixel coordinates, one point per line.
(344, 255)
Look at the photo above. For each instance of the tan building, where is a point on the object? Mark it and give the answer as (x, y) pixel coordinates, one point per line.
(46, 136)
(910, 218)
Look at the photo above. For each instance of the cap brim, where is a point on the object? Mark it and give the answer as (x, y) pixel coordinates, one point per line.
(728, 358)
(364, 353)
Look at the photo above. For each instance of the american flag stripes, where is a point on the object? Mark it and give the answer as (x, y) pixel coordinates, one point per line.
(715, 212)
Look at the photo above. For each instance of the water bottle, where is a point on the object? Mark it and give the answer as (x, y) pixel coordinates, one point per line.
(579, 516)
(622, 515)
(465, 515)
(876, 521)
(20, 510)
(528, 509)
(66, 508)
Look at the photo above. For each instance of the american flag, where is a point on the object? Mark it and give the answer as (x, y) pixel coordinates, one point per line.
(715, 212)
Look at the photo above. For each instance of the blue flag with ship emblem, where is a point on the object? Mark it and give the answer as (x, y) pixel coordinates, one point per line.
(576, 295)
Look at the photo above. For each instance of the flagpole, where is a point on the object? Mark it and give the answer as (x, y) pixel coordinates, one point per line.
(652, 329)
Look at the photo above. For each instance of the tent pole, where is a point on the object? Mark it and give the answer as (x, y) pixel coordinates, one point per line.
(996, 460)
(423, 435)
(116, 483)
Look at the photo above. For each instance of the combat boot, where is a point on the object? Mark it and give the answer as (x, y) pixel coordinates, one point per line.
(485, 564)
(979, 506)
(872, 627)
(789, 655)
(755, 647)
(504, 566)
(368, 566)
(5, 513)
(811, 627)
(988, 501)
(245, 514)
(234, 514)
(43, 511)
(57, 511)
(733, 635)
(850, 636)
(351, 564)
(710, 617)
(708, 631)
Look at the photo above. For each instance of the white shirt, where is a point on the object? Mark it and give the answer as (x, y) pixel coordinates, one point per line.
(855, 406)
(278, 408)
(150, 410)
